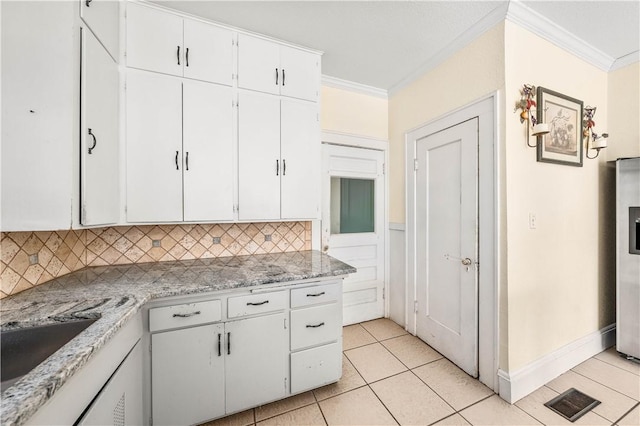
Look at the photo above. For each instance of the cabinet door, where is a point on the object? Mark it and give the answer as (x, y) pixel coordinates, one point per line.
(187, 375)
(103, 18)
(300, 73)
(39, 79)
(99, 160)
(120, 401)
(154, 40)
(259, 156)
(208, 52)
(258, 64)
(154, 148)
(208, 151)
(300, 152)
(256, 361)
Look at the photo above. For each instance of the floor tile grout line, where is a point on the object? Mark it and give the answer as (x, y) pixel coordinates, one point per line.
(602, 384)
(627, 413)
(434, 391)
(384, 405)
(613, 365)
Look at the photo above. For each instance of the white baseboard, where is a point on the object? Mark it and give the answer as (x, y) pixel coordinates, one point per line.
(520, 383)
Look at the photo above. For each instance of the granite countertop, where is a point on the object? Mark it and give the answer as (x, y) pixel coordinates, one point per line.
(115, 294)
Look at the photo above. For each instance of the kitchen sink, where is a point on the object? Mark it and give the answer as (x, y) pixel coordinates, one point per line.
(24, 349)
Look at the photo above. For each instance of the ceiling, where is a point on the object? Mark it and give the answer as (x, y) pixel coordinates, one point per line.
(383, 43)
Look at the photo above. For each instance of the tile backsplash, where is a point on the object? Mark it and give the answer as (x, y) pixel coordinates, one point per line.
(32, 258)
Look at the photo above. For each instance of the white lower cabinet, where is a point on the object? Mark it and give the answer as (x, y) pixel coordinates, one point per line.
(187, 368)
(119, 403)
(256, 363)
(218, 356)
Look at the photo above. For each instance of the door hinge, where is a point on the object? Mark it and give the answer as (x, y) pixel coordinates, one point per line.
(150, 342)
(285, 323)
(415, 164)
(236, 208)
(150, 421)
(84, 215)
(383, 293)
(383, 169)
(285, 384)
(415, 306)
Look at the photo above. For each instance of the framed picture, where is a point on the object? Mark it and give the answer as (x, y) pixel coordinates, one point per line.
(563, 114)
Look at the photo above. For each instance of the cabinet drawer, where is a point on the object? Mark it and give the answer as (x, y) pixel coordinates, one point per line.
(316, 367)
(252, 304)
(315, 326)
(315, 295)
(186, 315)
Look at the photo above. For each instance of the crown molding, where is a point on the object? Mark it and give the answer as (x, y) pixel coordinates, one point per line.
(626, 60)
(531, 20)
(352, 86)
(486, 23)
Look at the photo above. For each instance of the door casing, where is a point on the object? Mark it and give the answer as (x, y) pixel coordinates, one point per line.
(488, 245)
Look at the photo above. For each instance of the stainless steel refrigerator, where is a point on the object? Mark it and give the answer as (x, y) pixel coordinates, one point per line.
(628, 256)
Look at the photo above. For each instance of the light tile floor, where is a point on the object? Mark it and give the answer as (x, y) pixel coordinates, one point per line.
(390, 377)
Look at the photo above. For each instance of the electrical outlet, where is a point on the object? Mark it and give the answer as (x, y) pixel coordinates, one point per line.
(533, 221)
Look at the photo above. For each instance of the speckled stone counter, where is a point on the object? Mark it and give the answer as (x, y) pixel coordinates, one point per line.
(116, 293)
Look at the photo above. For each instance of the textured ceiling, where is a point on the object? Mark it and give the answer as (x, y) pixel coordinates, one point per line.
(380, 43)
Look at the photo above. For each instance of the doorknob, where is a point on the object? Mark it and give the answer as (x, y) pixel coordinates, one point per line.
(466, 261)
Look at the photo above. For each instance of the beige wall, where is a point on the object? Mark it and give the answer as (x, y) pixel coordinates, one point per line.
(623, 110)
(346, 111)
(559, 289)
(466, 76)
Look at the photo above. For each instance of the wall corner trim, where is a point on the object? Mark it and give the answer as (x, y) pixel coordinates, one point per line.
(538, 24)
(515, 386)
(352, 86)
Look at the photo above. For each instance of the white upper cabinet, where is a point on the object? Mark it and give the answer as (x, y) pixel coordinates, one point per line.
(154, 148)
(179, 149)
(39, 75)
(103, 17)
(300, 153)
(163, 42)
(99, 136)
(258, 156)
(269, 67)
(208, 52)
(208, 152)
(279, 151)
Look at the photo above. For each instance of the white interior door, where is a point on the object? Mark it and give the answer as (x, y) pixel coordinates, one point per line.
(353, 210)
(446, 243)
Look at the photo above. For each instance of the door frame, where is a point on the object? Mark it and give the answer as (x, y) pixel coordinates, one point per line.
(357, 141)
(485, 109)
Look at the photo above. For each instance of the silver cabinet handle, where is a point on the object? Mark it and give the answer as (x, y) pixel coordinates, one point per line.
(258, 303)
(178, 55)
(229, 343)
(187, 161)
(315, 326)
(284, 166)
(282, 77)
(316, 294)
(186, 54)
(177, 167)
(276, 76)
(186, 315)
(219, 344)
(277, 167)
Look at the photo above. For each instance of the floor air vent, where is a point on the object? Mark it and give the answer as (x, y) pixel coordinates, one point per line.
(572, 404)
